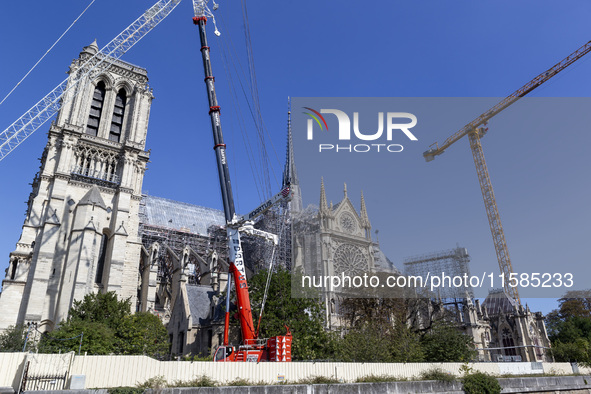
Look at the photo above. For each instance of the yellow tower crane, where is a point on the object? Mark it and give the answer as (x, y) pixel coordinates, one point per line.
(475, 131)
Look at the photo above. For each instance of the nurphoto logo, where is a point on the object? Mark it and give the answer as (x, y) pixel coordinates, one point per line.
(394, 124)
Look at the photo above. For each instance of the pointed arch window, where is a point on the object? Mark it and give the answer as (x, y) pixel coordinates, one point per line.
(508, 343)
(118, 112)
(96, 109)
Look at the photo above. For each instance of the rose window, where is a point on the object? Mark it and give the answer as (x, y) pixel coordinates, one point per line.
(350, 260)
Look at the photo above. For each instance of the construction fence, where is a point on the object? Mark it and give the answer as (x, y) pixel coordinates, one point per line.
(31, 372)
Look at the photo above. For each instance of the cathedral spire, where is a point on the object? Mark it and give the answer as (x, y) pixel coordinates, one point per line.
(364, 217)
(345, 190)
(290, 175)
(323, 204)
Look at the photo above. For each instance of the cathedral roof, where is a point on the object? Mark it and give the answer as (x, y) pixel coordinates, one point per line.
(381, 262)
(199, 298)
(162, 212)
(497, 302)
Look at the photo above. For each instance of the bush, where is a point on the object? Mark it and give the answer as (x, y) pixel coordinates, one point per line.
(481, 383)
(239, 382)
(197, 357)
(125, 390)
(378, 379)
(202, 381)
(318, 380)
(437, 374)
(157, 382)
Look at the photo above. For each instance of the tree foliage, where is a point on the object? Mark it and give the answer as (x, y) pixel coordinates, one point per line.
(388, 330)
(569, 328)
(303, 316)
(101, 324)
(377, 332)
(445, 343)
(481, 383)
(13, 339)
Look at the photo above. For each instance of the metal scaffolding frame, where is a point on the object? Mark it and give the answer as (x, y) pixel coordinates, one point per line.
(452, 262)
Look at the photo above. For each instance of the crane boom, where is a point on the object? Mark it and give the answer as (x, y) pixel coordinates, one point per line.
(49, 105)
(475, 132)
(253, 349)
(506, 102)
(236, 257)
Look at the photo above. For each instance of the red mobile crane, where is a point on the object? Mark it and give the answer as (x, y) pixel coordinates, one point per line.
(252, 348)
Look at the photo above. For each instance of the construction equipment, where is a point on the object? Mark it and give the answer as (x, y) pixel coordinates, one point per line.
(475, 132)
(49, 105)
(252, 348)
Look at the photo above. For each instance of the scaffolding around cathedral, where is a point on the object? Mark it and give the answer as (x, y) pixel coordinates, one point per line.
(452, 262)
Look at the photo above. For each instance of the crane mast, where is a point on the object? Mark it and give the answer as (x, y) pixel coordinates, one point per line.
(236, 257)
(252, 349)
(475, 132)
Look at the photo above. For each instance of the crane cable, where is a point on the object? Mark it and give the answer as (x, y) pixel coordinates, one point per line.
(270, 273)
(262, 129)
(264, 157)
(49, 50)
(230, 57)
(259, 168)
(227, 59)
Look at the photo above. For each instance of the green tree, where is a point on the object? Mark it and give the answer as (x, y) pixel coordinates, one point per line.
(143, 333)
(13, 339)
(569, 328)
(101, 307)
(365, 343)
(101, 324)
(445, 343)
(303, 316)
(95, 338)
(377, 331)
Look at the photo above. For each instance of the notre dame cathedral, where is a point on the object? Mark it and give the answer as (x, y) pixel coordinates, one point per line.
(89, 228)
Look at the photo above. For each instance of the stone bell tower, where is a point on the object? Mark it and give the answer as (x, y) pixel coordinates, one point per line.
(80, 234)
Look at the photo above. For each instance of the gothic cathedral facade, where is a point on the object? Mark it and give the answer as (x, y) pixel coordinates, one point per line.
(80, 234)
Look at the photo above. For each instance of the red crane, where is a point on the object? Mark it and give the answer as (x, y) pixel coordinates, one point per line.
(252, 348)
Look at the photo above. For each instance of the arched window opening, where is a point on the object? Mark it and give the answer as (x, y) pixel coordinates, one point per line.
(96, 109)
(508, 343)
(13, 269)
(101, 261)
(118, 112)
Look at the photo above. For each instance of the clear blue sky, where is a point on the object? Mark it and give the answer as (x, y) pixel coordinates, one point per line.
(304, 49)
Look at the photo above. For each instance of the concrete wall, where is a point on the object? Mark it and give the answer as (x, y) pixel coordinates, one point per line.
(566, 384)
(116, 371)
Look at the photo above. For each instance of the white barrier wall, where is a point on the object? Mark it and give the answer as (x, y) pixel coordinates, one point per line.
(117, 371)
(10, 367)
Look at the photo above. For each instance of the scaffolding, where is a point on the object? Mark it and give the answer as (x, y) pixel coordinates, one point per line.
(259, 252)
(452, 263)
(176, 225)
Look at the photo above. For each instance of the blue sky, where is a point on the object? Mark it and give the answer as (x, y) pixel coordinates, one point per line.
(305, 49)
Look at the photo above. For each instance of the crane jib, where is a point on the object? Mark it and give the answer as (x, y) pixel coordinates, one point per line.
(509, 100)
